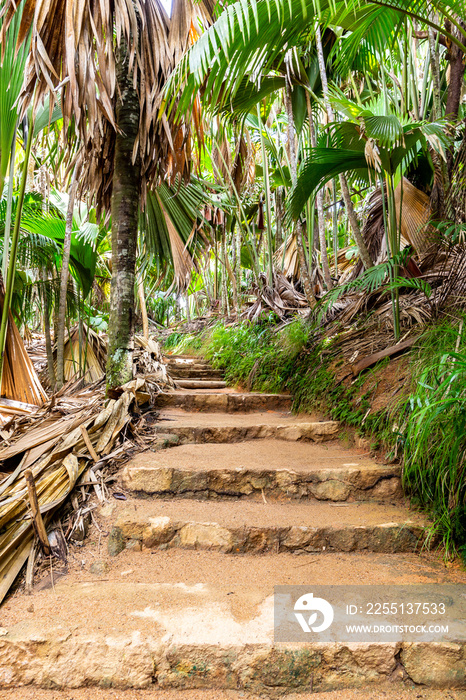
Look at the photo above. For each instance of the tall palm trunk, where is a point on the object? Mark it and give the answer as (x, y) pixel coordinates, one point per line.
(455, 86)
(363, 252)
(9, 282)
(143, 309)
(303, 268)
(320, 204)
(9, 207)
(438, 190)
(125, 204)
(64, 275)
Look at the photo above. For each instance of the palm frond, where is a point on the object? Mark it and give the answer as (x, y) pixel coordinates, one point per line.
(12, 66)
(168, 225)
(75, 45)
(322, 165)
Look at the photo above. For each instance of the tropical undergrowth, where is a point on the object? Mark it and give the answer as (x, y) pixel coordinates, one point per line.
(261, 358)
(434, 433)
(425, 428)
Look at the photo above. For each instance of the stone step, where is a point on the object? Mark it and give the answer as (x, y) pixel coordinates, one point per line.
(385, 691)
(205, 373)
(203, 620)
(254, 528)
(226, 401)
(199, 384)
(186, 364)
(262, 467)
(220, 427)
(185, 360)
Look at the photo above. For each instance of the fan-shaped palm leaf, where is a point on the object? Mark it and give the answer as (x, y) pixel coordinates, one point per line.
(83, 257)
(323, 164)
(168, 225)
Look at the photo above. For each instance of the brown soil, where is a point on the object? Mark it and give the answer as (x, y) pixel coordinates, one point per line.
(176, 417)
(386, 384)
(257, 454)
(252, 514)
(132, 579)
(376, 693)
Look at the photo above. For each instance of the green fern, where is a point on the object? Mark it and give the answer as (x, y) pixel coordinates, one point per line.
(372, 279)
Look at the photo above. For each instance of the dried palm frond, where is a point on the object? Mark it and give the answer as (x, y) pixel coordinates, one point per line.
(19, 381)
(85, 354)
(290, 264)
(221, 158)
(286, 257)
(59, 444)
(282, 298)
(76, 45)
(416, 214)
(148, 361)
(85, 359)
(239, 173)
(415, 229)
(183, 264)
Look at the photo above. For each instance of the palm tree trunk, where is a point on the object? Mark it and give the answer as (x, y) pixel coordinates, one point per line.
(237, 243)
(455, 86)
(226, 262)
(265, 165)
(64, 275)
(438, 190)
(319, 205)
(363, 252)
(9, 207)
(48, 338)
(125, 205)
(143, 307)
(303, 268)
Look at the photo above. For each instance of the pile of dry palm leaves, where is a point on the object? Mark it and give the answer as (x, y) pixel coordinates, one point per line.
(85, 356)
(70, 441)
(282, 298)
(286, 259)
(434, 268)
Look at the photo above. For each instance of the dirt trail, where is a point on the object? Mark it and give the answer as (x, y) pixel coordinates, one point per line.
(172, 594)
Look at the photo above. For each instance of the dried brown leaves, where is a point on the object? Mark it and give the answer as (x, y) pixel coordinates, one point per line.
(74, 48)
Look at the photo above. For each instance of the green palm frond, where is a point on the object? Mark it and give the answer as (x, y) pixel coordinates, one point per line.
(432, 14)
(249, 38)
(12, 65)
(371, 280)
(322, 165)
(168, 226)
(395, 144)
(83, 256)
(249, 94)
(386, 130)
(370, 31)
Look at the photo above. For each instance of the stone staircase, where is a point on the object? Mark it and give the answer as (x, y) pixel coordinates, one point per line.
(191, 373)
(176, 589)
